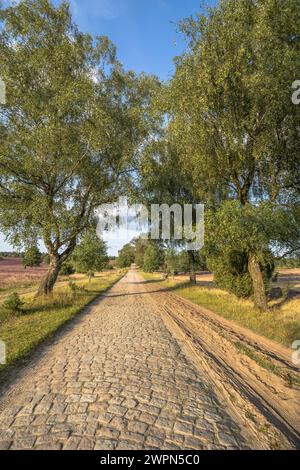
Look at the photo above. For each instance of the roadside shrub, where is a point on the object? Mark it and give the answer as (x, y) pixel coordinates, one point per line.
(46, 258)
(231, 271)
(32, 257)
(75, 288)
(67, 269)
(90, 274)
(13, 303)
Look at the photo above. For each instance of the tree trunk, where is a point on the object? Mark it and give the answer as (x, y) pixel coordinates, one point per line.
(192, 266)
(48, 282)
(260, 296)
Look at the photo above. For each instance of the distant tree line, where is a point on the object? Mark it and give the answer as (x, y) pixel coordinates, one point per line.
(153, 256)
(10, 254)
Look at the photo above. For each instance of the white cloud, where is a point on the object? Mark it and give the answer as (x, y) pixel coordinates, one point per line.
(10, 3)
(106, 9)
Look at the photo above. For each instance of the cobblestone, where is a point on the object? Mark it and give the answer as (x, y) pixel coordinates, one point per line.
(115, 378)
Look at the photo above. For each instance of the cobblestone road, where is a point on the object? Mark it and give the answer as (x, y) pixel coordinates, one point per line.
(115, 379)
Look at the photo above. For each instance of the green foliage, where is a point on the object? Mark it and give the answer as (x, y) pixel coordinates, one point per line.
(233, 232)
(67, 269)
(232, 114)
(234, 126)
(176, 262)
(75, 288)
(32, 257)
(91, 253)
(45, 315)
(170, 262)
(249, 227)
(230, 268)
(46, 258)
(289, 262)
(126, 256)
(13, 303)
(140, 246)
(153, 258)
(71, 124)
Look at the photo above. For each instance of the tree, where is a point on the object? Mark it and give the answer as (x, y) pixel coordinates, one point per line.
(153, 258)
(232, 117)
(126, 256)
(171, 262)
(67, 268)
(72, 123)
(233, 233)
(140, 246)
(91, 253)
(32, 257)
(163, 178)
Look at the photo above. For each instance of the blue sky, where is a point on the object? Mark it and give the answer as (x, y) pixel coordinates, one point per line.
(144, 32)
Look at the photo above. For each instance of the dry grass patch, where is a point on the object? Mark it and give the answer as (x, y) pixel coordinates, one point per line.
(40, 317)
(281, 323)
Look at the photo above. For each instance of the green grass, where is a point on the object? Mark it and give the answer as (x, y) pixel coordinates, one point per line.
(281, 323)
(41, 317)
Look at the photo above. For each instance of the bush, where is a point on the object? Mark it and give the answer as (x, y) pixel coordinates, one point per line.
(90, 254)
(67, 269)
(153, 259)
(75, 287)
(46, 258)
(231, 271)
(126, 256)
(32, 257)
(13, 303)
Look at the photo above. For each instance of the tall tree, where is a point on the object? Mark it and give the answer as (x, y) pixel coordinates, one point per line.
(153, 258)
(32, 257)
(231, 113)
(72, 122)
(90, 254)
(163, 179)
(126, 256)
(140, 245)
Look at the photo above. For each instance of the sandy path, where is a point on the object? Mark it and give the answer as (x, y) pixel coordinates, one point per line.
(260, 397)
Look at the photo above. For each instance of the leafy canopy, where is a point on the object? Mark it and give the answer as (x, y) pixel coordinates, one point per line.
(90, 254)
(73, 122)
(32, 257)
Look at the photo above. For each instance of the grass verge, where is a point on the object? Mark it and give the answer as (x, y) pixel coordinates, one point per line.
(290, 378)
(281, 324)
(41, 317)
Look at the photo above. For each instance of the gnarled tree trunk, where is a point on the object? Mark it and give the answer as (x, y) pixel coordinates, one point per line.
(46, 286)
(260, 296)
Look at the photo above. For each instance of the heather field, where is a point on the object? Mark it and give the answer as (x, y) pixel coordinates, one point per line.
(13, 274)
